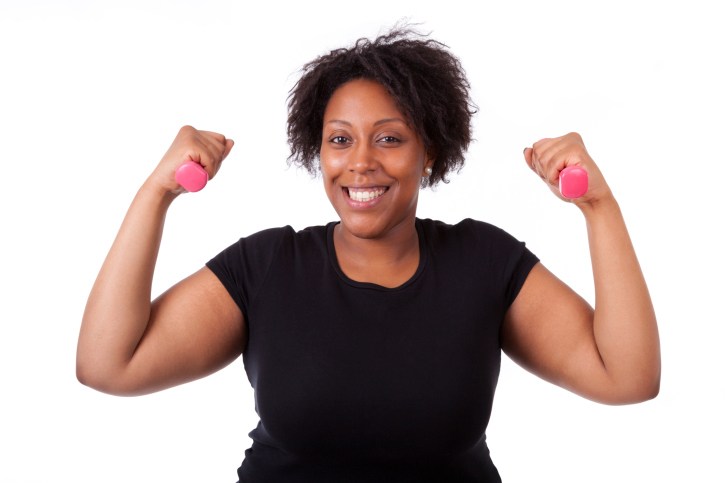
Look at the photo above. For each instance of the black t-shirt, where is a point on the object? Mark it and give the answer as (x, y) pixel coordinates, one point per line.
(355, 382)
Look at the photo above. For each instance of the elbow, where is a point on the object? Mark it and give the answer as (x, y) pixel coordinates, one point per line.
(651, 391)
(96, 370)
(102, 384)
(89, 377)
(648, 387)
(87, 369)
(636, 384)
(84, 374)
(92, 376)
(640, 392)
(654, 389)
(642, 395)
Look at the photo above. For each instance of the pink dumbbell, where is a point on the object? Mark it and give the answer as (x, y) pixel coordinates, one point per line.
(191, 176)
(573, 182)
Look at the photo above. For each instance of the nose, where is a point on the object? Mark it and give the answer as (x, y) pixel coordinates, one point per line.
(362, 159)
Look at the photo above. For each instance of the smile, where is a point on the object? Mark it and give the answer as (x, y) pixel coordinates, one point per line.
(365, 194)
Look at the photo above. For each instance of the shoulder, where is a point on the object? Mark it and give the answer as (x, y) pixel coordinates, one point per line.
(246, 263)
(473, 250)
(264, 247)
(478, 245)
(467, 231)
(271, 238)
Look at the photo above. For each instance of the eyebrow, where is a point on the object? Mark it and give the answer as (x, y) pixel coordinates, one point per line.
(377, 123)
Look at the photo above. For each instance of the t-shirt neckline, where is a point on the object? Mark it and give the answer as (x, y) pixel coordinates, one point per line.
(422, 262)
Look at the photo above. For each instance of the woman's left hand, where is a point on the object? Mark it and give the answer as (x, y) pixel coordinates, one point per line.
(549, 156)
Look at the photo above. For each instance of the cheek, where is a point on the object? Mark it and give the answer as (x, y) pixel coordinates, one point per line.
(328, 172)
(331, 164)
(411, 167)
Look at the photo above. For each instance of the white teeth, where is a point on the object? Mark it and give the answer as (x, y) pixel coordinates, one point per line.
(365, 194)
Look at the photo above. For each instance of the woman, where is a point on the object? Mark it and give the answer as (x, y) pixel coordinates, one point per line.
(373, 343)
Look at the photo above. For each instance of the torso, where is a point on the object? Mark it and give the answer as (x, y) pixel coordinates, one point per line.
(359, 382)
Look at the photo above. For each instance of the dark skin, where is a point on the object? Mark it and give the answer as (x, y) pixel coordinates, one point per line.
(369, 148)
(372, 163)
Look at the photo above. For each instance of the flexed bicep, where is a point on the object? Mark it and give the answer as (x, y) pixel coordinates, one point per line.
(549, 331)
(195, 329)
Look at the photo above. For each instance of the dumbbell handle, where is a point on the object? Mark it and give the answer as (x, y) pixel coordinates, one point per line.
(573, 182)
(191, 176)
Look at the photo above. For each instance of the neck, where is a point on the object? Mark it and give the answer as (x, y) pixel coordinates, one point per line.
(388, 261)
(396, 244)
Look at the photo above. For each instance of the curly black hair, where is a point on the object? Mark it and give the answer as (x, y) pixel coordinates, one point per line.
(427, 82)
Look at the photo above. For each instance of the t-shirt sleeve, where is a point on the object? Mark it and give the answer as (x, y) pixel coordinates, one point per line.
(242, 266)
(506, 258)
(518, 270)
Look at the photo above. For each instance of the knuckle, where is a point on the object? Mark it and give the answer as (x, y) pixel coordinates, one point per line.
(575, 135)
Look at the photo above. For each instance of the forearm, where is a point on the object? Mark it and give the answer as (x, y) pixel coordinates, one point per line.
(118, 308)
(625, 327)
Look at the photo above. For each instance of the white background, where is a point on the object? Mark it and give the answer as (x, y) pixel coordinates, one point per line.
(92, 93)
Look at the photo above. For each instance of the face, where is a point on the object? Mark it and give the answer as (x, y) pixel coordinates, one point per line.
(371, 160)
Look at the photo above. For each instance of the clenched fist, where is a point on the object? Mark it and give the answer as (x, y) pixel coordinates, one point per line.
(549, 156)
(206, 148)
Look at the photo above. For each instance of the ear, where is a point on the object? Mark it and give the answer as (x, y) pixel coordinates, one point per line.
(430, 157)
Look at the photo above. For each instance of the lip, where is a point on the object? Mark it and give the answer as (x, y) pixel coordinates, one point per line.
(364, 204)
(367, 186)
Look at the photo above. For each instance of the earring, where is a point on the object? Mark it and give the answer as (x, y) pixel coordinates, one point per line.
(428, 170)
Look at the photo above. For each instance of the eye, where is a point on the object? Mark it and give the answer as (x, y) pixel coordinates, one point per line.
(389, 140)
(339, 140)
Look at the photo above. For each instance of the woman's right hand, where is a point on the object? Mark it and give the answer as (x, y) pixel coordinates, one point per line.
(206, 148)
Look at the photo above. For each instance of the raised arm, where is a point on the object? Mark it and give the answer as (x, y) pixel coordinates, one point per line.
(129, 345)
(610, 353)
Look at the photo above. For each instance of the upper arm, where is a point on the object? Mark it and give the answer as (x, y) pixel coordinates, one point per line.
(549, 331)
(195, 328)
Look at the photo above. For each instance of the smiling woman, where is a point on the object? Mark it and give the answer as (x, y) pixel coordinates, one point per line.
(372, 163)
(373, 342)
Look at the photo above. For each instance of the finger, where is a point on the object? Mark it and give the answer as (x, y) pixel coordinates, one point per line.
(533, 161)
(553, 160)
(543, 149)
(219, 157)
(214, 135)
(214, 149)
(529, 158)
(537, 149)
(542, 144)
(528, 152)
(229, 144)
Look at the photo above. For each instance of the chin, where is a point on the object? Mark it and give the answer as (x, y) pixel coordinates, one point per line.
(363, 230)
